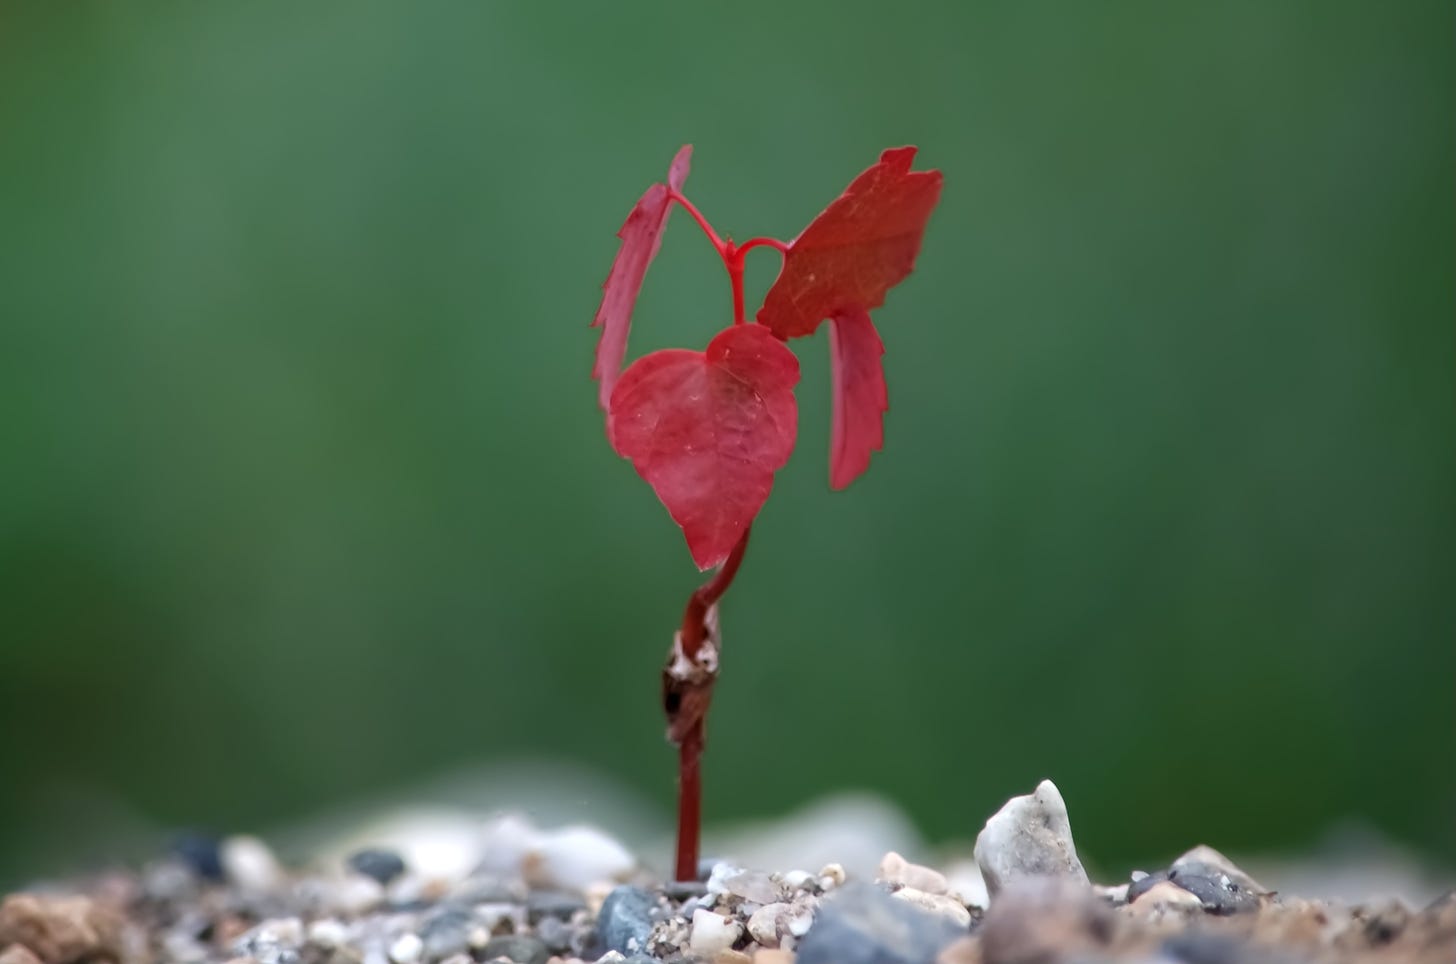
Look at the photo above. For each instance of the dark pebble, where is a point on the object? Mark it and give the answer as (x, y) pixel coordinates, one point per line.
(556, 934)
(199, 851)
(1139, 887)
(514, 947)
(383, 865)
(1219, 894)
(447, 932)
(552, 903)
(625, 920)
(862, 924)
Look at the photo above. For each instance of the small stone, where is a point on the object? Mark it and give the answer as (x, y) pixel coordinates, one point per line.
(1030, 836)
(380, 863)
(200, 852)
(899, 872)
(407, 949)
(947, 907)
(773, 956)
(731, 956)
(625, 920)
(60, 929)
(18, 954)
(327, 932)
(864, 925)
(250, 864)
(552, 903)
(355, 895)
(751, 885)
(713, 933)
(451, 931)
(1045, 919)
(274, 941)
(517, 948)
(766, 923)
(1219, 894)
(1165, 895)
(556, 934)
(573, 858)
(831, 876)
(1142, 883)
(1206, 861)
(798, 879)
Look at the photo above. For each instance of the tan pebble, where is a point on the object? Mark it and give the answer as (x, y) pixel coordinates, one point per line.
(831, 876)
(766, 923)
(731, 956)
(899, 872)
(964, 950)
(773, 955)
(18, 954)
(59, 929)
(1164, 895)
(939, 904)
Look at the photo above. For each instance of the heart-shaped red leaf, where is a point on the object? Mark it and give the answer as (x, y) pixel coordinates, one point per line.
(860, 399)
(641, 236)
(860, 247)
(708, 430)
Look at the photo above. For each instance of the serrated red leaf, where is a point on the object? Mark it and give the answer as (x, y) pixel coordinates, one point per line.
(641, 236)
(860, 247)
(708, 430)
(860, 398)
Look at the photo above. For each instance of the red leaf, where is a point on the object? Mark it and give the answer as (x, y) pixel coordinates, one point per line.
(709, 430)
(860, 247)
(860, 399)
(641, 236)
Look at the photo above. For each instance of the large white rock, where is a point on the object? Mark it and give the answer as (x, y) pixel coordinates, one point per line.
(1029, 837)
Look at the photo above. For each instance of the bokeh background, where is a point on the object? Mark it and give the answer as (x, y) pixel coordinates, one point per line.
(305, 494)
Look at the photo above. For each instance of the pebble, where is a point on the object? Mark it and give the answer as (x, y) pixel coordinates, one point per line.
(1203, 859)
(1219, 895)
(766, 923)
(516, 948)
(574, 858)
(407, 949)
(277, 941)
(1143, 882)
(250, 865)
(556, 934)
(200, 852)
(451, 931)
(1045, 919)
(1163, 896)
(713, 933)
(327, 932)
(625, 920)
(552, 903)
(899, 872)
(773, 956)
(750, 885)
(1030, 836)
(18, 954)
(862, 924)
(60, 928)
(947, 907)
(382, 864)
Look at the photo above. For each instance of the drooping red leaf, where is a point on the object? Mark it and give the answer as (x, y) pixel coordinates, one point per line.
(860, 399)
(860, 247)
(708, 430)
(641, 236)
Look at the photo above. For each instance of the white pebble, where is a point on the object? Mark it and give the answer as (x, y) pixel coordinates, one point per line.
(831, 876)
(797, 879)
(407, 949)
(713, 933)
(327, 932)
(574, 858)
(766, 923)
(947, 907)
(249, 864)
(899, 872)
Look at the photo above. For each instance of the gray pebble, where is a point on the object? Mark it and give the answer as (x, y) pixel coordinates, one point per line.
(1144, 884)
(1030, 836)
(514, 947)
(862, 924)
(381, 864)
(552, 903)
(1219, 894)
(447, 932)
(556, 934)
(625, 920)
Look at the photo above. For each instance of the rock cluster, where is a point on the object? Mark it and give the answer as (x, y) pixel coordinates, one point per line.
(514, 893)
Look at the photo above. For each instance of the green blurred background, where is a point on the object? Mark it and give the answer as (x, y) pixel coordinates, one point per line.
(305, 493)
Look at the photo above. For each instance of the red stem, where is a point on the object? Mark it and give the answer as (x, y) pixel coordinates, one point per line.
(732, 254)
(693, 633)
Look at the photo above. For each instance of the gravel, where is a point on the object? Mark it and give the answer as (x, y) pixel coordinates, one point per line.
(552, 897)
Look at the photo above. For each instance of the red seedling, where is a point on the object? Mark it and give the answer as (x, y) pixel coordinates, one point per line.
(708, 430)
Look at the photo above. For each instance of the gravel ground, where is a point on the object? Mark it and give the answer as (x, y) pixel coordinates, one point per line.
(533, 896)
